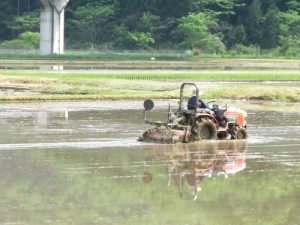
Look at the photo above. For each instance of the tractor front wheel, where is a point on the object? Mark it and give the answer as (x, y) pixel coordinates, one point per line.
(239, 133)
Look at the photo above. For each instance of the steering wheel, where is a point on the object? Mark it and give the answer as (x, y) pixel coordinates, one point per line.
(210, 101)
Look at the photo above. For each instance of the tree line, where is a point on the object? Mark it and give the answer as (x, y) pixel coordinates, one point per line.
(208, 26)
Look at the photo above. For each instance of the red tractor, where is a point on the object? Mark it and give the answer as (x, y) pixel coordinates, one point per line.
(189, 124)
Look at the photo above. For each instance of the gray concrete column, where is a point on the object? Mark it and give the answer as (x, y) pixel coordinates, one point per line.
(52, 26)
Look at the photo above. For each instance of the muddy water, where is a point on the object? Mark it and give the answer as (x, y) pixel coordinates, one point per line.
(80, 163)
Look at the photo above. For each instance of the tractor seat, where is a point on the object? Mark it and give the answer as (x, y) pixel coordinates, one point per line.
(219, 114)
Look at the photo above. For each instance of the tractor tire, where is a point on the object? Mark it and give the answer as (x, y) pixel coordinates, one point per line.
(205, 129)
(239, 133)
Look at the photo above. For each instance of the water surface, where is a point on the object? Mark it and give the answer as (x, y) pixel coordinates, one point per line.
(80, 163)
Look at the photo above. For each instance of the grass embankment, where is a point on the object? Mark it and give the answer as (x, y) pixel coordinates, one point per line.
(95, 55)
(137, 55)
(146, 84)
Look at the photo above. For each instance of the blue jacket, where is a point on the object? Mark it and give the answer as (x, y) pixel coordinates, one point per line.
(192, 103)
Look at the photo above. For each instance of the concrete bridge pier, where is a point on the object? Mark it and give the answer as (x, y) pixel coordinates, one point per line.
(52, 26)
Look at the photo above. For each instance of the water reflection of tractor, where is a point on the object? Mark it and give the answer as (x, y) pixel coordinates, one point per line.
(190, 164)
(196, 121)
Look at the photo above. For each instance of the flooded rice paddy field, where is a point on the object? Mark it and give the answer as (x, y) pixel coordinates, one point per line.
(81, 163)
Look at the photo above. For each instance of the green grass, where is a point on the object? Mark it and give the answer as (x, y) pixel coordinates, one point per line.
(126, 55)
(104, 56)
(283, 93)
(84, 87)
(169, 75)
(141, 84)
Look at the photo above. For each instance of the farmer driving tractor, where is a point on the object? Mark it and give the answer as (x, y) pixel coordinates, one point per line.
(196, 121)
(193, 104)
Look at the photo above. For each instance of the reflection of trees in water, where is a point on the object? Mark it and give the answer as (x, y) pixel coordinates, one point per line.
(189, 164)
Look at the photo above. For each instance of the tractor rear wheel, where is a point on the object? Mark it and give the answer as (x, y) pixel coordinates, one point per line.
(205, 129)
(239, 133)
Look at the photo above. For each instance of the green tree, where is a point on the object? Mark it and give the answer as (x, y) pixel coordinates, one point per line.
(253, 22)
(132, 40)
(5, 16)
(155, 23)
(32, 38)
(167, 34)
(217, 6)
(225, 11)
(141, 40)
(196, 31)
(148, 21)
(92, 23)
(289, 32)
(270, 29)
(289, 22)
(121, 38)
(289, 45)
(10, 11)
(293, 5)
(236, 35)
(27, 22)
(27, 40)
